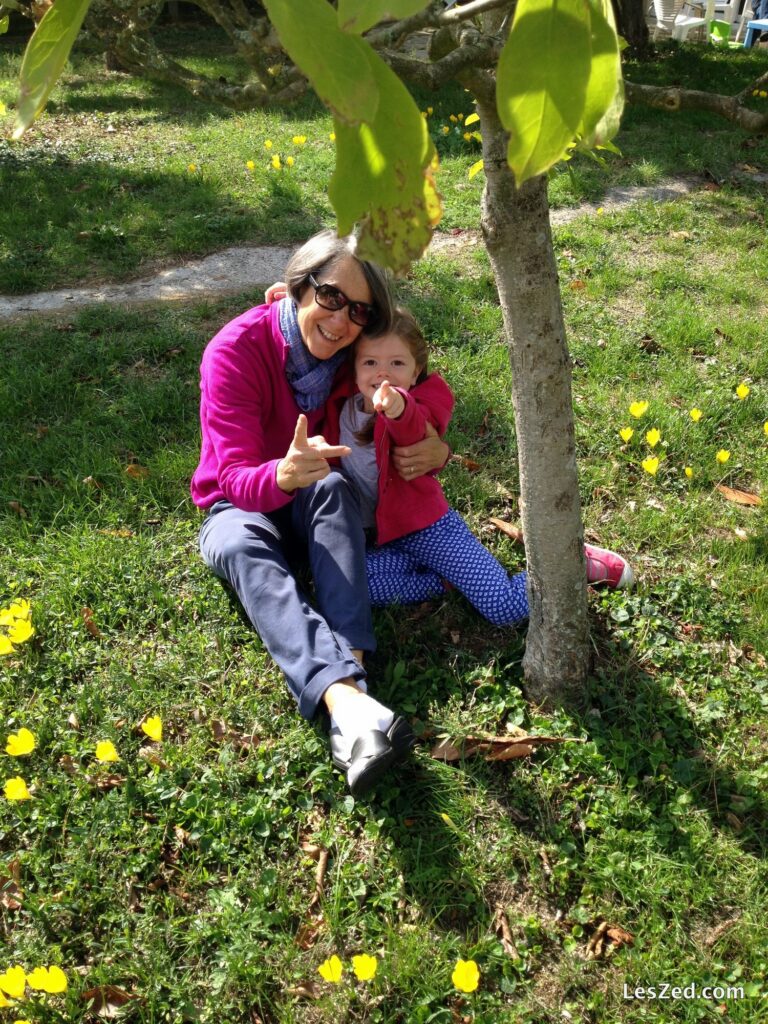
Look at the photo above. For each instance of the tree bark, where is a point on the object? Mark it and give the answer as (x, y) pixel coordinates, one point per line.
(631, 24)
(515, 224)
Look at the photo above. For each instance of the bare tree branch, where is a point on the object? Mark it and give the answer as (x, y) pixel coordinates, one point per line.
(393, 35)
(672, 100)
(471, 10)
(434, 74)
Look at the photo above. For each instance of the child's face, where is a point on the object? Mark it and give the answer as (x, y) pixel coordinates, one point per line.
(379, 359)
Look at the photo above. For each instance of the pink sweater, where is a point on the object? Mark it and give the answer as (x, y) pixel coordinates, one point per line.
(247, 414)
(404, 505)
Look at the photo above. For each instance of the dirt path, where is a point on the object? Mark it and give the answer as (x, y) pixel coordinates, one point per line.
(241, 268)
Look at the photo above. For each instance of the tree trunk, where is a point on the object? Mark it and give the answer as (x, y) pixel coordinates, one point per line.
(517, 235)
(631, 24)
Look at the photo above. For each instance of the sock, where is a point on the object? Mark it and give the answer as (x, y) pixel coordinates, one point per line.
(358, 714)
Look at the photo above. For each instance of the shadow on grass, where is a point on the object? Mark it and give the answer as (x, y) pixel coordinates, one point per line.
(660, 740)
(74, 221)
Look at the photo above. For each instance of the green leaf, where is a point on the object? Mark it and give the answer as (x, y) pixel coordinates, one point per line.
(541, 82)
(335, 63)
(360, 15)
(44, 58)
(605, 90)
(4, 23)
(383, 177)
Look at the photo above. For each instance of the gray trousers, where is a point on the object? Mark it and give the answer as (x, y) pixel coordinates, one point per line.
(257, 554)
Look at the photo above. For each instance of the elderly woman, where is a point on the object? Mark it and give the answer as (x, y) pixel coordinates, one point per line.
(272, 496)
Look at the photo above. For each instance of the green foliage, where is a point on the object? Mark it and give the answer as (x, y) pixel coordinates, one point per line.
(360, 15)
(186, 885)
(541, 82)
(558, 82)
(383, 178)
(336, 63)
(604, 101)
(45, 57)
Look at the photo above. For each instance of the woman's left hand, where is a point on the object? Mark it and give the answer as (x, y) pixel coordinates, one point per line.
(414, 460)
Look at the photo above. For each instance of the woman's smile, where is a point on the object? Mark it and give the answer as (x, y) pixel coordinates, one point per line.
(327, 331)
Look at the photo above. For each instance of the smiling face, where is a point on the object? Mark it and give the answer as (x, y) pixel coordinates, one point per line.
(379, 359)
(327, 331)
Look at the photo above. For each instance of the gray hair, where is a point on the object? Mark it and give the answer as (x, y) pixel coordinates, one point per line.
(324, 249)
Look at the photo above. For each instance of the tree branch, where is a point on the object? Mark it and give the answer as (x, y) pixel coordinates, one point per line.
(673, 100)
(434, 74)
(471, 10)
(394, 34)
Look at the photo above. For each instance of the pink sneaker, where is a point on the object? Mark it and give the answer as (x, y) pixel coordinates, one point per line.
(604, 566)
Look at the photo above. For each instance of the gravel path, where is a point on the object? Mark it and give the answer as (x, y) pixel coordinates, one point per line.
(241, 268)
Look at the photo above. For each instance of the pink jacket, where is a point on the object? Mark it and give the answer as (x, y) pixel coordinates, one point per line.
(404, 505)
(247, 413)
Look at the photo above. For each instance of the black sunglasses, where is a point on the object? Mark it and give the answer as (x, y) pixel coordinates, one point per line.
(360, 313)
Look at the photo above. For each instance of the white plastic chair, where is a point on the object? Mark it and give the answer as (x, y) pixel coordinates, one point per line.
(715, 10)
(664, 12)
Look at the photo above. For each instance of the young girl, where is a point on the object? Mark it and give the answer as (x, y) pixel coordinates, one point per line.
(421, 543)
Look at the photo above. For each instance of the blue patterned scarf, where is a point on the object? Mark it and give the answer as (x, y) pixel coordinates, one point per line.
(310, 378)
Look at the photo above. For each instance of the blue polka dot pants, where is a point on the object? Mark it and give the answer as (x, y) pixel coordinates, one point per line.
(413, 568)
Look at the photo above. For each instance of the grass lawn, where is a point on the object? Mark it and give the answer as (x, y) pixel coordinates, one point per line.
(179, 881)
(120, 175)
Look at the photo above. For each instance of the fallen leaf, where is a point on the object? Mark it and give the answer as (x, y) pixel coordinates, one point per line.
(511, 531)
(502, 929)
(493, 748)
(509, 752)
(11, 896)
(577, 285)
(89, 622)
(69, 764)
(136, 472)
(73, 721)
(306, 990)
(650, 345)
(740, 497)
(106, 1000)
(18, 508)
(320, 870)
(607, 938)
(91, 481)
(151, 756)
(680, 234)
(182, 836)
(469, 464)
(105, 782)
(445, 750)
(224, 733)
(619, 937)
(117, 533)
(308, 933)
(312, 850)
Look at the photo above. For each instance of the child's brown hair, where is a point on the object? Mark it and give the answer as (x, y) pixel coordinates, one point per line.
(405, 326)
